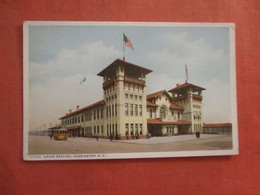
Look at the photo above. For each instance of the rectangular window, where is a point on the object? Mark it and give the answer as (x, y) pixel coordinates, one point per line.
(141, 129)
(132, 129)
(135, 97)
(131, 96)
(140, 98)
(127, 129)
(126, 96)
(89, 116)
(110, 110)
(97, 113)
(101, 112)
(115, 109)
(136, 109)
(179, 115)
(78, 119)
(113, 127)
(107, 110)
(131, 110)
(151, 113)
(115, 96)
(126, 109)
(94, 129)
(94, 112)
(136, 128)
(140, 110)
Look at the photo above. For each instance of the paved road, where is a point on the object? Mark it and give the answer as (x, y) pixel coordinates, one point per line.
(80, 145)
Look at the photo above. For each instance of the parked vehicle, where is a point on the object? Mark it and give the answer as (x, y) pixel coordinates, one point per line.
(60, 134)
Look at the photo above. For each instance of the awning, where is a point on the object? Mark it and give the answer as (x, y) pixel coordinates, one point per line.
(73, 128)
(159, 122)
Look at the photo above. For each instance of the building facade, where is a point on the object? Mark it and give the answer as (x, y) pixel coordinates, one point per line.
(126, 112)
(219, 128)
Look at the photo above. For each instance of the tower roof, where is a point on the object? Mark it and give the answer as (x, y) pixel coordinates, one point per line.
(129, 67)
(184, 86)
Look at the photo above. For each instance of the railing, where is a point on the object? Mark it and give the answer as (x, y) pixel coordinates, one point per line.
(134, 80)
(109, 82)
(197, 96)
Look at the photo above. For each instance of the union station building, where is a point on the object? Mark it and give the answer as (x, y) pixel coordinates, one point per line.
(126, 112)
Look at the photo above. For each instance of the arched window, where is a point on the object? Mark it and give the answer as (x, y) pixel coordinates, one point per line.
(162, 113)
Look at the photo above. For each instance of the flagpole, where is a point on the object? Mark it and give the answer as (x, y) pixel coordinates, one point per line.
(186, 73)
(123, 48)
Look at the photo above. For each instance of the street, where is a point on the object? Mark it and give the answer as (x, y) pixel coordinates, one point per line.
(82, 145)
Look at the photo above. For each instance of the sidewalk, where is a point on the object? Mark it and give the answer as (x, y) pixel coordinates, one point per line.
(168, 139)
(159, 140)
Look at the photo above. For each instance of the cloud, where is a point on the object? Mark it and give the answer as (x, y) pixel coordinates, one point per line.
(161, 81)
(207, 67)
(55, 87)
(217, 102)
(70, 62)
(55, 84)
(199, 56)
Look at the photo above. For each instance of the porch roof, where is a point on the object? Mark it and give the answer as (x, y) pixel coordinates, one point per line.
(153, 121)
(73, 128)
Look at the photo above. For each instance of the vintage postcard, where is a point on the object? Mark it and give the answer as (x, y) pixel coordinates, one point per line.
(115, 90)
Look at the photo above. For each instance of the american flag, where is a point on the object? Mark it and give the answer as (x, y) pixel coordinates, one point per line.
(128, 42)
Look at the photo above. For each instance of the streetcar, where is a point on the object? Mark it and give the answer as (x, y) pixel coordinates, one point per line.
(60, 134)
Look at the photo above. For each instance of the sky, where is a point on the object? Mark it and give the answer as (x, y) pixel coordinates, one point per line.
(60, 56)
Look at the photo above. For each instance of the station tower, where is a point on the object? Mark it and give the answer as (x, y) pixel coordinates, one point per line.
(190, 97)
(124, 91)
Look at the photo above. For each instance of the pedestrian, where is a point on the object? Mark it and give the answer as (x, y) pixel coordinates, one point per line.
(97, 138)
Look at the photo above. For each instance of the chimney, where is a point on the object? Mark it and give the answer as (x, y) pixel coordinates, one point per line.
(69, 111)
(177, 85)
(77, 107)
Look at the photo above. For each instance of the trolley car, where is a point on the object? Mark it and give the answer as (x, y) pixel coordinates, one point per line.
(60, 134)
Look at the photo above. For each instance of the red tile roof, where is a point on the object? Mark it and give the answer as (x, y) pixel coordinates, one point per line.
(159, 122)
(175, 106)
(183, 122)
(218, 125)
(156, 94)
(186, 85)
(151, 104)
(99, 103)
(110, 68)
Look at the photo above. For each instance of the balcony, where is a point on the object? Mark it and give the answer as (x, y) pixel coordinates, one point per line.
(109, 82)
(198, 97)
(134, 80)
